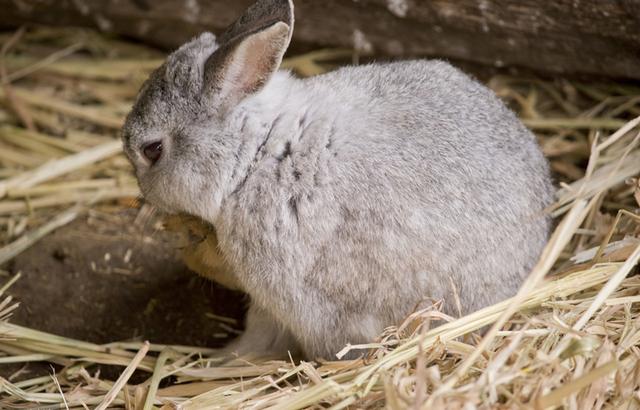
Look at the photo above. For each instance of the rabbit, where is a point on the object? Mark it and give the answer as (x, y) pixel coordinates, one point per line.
(339, 201)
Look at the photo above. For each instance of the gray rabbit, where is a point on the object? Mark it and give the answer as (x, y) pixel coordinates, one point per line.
(343, 200)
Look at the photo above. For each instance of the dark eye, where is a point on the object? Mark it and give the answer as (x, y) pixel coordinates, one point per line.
(152, 151)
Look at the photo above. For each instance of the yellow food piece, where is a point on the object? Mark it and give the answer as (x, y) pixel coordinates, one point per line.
(199, 245)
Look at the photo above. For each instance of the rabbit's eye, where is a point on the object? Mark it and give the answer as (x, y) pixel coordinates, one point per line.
(152, 151)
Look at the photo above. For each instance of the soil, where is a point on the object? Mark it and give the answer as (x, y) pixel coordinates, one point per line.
(111, 277)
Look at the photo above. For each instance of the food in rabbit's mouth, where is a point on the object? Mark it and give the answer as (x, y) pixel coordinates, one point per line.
(342, 201)
(199, 248)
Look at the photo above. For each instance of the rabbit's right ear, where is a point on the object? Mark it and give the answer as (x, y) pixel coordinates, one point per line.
(250, 52)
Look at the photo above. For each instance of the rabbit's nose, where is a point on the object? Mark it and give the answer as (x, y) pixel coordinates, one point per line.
(152, 151)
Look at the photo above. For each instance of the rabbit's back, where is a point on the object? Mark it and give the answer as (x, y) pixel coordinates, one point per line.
(456, 184)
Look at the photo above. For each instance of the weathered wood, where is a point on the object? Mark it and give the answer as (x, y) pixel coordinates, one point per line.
(577, 36)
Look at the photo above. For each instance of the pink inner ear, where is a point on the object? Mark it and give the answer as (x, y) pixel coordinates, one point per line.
(264, 56)
(252, 62)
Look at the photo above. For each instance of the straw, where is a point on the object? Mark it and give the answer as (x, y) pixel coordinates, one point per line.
(124, 377)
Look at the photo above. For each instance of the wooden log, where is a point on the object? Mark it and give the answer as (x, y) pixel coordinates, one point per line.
(600, 37)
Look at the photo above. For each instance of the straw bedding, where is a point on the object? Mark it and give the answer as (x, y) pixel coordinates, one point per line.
(570, 338)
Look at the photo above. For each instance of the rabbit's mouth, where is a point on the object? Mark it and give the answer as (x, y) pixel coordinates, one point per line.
(153, 190)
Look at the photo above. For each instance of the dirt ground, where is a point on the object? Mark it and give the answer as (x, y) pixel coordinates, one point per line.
(110, 277)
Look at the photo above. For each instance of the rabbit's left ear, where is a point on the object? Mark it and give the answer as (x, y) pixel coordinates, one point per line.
(250, 52)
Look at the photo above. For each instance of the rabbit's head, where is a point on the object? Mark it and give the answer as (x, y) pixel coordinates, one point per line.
(180, 135)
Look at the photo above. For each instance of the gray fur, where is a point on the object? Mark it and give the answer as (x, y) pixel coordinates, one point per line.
(341, 201)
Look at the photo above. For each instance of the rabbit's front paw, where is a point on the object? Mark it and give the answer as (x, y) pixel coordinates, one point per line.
(263, 337)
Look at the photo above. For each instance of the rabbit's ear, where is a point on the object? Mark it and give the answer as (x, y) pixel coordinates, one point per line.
(250, 51)
(185, 66)
(257, 17)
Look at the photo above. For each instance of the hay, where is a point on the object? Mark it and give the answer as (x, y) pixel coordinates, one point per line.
(570, 338)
